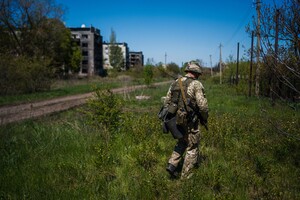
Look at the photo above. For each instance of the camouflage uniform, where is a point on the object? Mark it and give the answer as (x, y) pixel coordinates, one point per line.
(191, 139)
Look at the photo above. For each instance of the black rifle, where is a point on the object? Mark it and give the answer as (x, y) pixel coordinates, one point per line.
(197, 115)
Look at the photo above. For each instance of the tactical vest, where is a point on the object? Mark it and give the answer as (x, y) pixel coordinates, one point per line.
(176, 96)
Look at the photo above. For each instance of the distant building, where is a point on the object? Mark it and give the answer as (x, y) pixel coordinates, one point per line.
(125, 51)
(90, 42)
(136, 59)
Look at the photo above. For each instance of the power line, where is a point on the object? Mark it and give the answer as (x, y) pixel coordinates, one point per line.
(245, 17)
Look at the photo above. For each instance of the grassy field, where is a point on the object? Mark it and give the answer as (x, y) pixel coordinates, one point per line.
(71, 87)
(251, 151)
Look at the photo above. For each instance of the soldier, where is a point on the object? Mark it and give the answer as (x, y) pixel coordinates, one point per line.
(187, 96)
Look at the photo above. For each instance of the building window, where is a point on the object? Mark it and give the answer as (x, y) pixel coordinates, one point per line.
(75, 36)
(84, 36)
(84, 70)
(85, 62)
(85, 53)
(84, 44)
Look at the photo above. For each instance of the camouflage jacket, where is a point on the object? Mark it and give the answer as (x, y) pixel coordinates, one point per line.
(194, 92)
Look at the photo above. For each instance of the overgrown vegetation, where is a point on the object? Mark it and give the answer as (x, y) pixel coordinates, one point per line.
(246, 154)
(148, 74)
(278, 73)
(61, 88)
(35, 46)
(116, 59)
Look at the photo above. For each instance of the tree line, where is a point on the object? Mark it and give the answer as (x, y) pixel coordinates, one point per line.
(35, 45)
(276, 72)
(279, 34)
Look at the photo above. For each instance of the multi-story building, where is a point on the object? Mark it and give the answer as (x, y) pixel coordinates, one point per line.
(136, 59)
(106, 52)
(90, 41)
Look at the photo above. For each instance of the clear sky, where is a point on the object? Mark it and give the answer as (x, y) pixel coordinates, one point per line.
(182, 29)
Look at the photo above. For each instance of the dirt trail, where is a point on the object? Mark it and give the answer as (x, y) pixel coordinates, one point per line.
(14, 113)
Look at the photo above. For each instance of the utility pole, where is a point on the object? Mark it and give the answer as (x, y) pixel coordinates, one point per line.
(220, 64)
(258, 48)
(251, 64)
(211, 72)
(165, 59)
(237, 64)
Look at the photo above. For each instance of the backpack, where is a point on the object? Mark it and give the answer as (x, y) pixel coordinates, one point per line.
(178, 97)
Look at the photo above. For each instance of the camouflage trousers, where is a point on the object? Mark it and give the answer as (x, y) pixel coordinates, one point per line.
(190, 146)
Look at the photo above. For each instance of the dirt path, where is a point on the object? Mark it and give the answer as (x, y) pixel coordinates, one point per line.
(9, 114)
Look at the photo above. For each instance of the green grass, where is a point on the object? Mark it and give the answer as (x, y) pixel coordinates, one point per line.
(246, 153)
(70, 87)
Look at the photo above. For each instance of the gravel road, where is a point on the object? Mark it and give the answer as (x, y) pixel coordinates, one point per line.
(14, 113)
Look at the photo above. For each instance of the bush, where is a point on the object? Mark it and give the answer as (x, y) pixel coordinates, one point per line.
(148, 74)
(104, 110)
(23, 75)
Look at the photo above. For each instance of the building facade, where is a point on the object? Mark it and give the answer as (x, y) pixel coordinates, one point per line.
(136, 59)
(89, 40)
(106, 53)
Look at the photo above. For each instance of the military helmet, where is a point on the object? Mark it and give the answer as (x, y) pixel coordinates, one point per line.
(193, 67)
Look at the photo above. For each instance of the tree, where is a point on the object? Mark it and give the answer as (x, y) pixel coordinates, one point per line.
(75, 59)
(32, 32)
(173, 68)
(28, 23)
(115, 53)
(148, 74)
(280, 36)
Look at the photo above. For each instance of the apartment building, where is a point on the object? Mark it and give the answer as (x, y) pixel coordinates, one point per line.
(136, 59)
(106, 52)
(90, 41)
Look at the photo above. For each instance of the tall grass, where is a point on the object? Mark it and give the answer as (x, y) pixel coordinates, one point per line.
(62, 88)
(244, 155)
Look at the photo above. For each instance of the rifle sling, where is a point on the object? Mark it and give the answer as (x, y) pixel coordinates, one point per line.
(182, 93)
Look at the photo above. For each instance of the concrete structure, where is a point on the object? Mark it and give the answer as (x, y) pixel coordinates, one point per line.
(90, 42)
(106, 52)
(136, 59)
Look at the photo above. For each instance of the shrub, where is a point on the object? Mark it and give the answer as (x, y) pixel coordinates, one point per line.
(104, 110)
(148, 74)
(24, 75)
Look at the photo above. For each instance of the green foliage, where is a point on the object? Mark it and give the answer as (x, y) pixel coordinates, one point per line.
(173, 68)
(116, 58)
(244, 156)
(76, 59)
(148, 74)
(35, 45)
(104, 110)
(159, 71)
(229, 74)
(24, 75)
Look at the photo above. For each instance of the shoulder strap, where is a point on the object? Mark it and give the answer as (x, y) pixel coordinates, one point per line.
(182, 92)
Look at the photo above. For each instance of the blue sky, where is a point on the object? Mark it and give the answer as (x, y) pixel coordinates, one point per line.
(182, 29)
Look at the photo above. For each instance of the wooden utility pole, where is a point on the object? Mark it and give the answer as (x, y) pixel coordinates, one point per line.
(165, 59)
(258, 49)
(237, 64)
(220, 64)
(211, 72)
(251, 64)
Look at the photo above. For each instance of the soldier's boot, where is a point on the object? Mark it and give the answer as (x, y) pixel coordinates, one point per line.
(172, 170)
